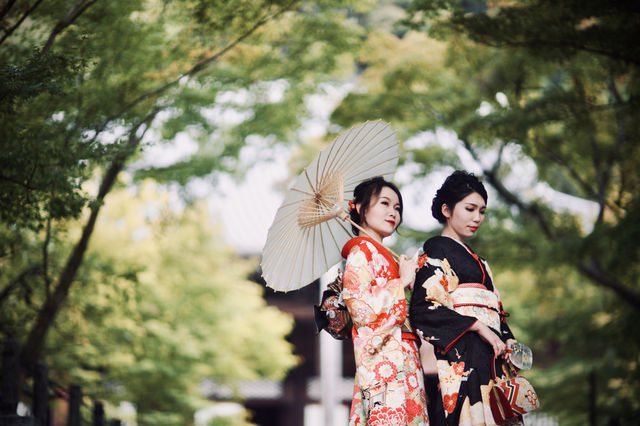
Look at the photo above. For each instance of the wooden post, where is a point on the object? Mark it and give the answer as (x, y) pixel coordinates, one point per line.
(75, 399)
(330, 364)
(593, 412)
(9, 395)
(40, 393)
(98, 414)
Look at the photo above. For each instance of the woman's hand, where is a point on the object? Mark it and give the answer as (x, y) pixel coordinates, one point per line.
(490, 337)
(408, 269)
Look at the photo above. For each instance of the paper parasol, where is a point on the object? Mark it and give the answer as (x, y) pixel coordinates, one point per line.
(308, 231)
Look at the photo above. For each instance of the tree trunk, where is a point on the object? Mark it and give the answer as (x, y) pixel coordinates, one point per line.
(46, 315)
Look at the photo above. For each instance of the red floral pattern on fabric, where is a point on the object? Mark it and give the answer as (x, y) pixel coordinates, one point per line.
(413, 409)
(412, 381)
(458, 368)
(450, 402)
(444, 283)
(387, 416)
(385, 371)
(532, 397)
(422, 260)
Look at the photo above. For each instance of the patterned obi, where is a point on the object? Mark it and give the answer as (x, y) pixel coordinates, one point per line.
(474, 300)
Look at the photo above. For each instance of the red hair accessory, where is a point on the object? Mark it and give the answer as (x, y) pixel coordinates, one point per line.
(422, 260)
(352, 205)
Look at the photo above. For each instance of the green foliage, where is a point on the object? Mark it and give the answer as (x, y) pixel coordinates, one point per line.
(237, 420)
(621, 255)
(577, 331)
(160, 305)
(263, 81)
(85, 87)
(42, 160)
(76, 87)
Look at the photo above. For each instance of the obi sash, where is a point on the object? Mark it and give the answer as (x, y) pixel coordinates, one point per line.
(474, 300)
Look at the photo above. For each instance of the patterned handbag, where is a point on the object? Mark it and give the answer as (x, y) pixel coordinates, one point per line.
(512, 397)
(332, 314)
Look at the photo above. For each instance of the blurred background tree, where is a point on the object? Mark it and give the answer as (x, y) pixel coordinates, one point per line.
(86, 86)
(543, 99)
(159, 305)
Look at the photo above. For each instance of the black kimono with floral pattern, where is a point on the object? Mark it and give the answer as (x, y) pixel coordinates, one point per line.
(453, 289)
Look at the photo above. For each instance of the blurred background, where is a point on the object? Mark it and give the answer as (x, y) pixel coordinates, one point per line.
(146, 146)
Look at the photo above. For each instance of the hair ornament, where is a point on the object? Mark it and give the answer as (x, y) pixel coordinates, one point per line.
(352, 205)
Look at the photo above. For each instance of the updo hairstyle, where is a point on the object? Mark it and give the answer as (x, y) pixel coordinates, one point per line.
(364, 193)
(457, 186)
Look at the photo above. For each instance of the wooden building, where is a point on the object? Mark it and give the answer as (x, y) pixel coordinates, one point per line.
(297, 400)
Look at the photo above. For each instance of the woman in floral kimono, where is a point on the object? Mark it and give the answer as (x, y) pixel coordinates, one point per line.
(389, 387)
(456, 307)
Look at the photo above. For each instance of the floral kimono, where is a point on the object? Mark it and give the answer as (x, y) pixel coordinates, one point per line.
(389, 387)
(454, 289)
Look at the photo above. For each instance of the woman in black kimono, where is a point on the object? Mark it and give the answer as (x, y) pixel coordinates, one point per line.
(456, 307)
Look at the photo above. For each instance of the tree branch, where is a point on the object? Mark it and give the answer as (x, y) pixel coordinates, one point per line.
(7, 7)
(17, 182)
(528, 44)
(469, 148)
(565, 164)
(532, 210)
(10, 31)
(592, 270)
(33, 270)
(621, 135)
(498, 163)
(45, 258)
(73, 14)
(582, 112)
(46, 315)
(191, 72)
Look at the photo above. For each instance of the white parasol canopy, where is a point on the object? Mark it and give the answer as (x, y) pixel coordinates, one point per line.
(308, 232)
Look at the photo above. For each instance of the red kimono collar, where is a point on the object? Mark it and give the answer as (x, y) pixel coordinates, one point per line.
(357, 240)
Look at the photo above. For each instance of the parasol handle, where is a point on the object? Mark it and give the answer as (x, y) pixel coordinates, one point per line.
(345, 217)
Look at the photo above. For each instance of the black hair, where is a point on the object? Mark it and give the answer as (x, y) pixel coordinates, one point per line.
(364, 192)
(457, 186)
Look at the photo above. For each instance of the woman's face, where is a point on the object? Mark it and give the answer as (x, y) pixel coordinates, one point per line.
(383, 215)
(466, 217)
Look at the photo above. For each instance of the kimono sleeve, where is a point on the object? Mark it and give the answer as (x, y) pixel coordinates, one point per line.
(430, 312)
